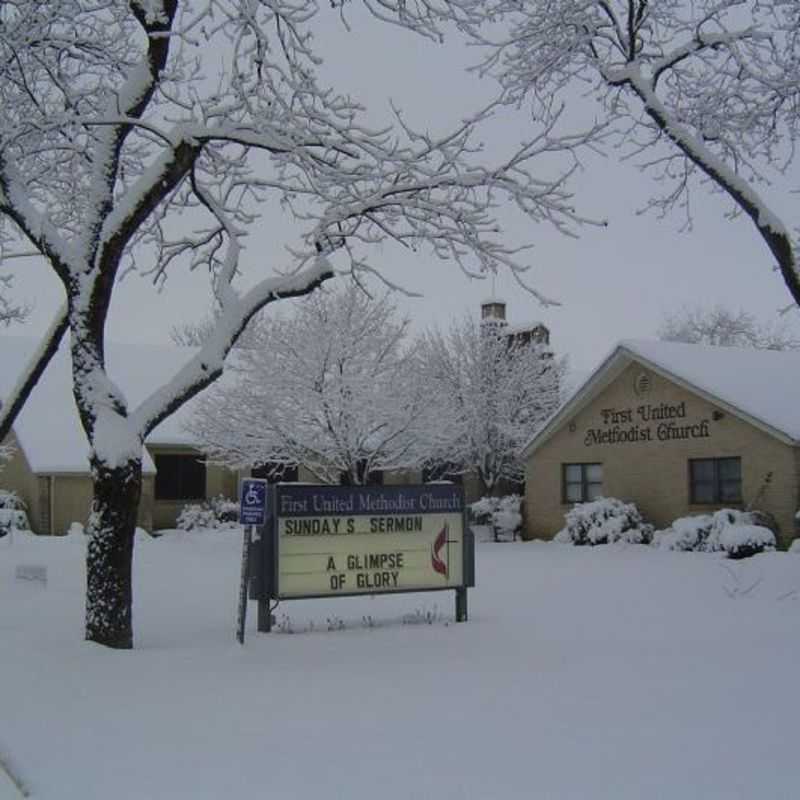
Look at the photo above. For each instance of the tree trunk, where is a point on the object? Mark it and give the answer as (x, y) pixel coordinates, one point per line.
(109, 556)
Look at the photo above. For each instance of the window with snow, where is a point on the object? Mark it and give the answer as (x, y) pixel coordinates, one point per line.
(581, 483)
(180, 477)
(443, 471)
(715, 480)
(274, 472)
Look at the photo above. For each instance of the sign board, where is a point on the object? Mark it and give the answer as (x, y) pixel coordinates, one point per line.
(253, 501)
(368, 540)
(35, 573)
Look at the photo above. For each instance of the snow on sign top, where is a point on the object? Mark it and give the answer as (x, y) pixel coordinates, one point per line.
(762, 385)
(48, 429)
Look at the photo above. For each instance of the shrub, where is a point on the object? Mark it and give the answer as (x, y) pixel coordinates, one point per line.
(12, 513)
(216, 514)
(482, 510)
(604, 521)
(11, 501)
(743, 541)
(501, 513)
(736, 533)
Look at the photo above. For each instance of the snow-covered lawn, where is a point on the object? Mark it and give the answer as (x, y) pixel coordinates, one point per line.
(583, 673)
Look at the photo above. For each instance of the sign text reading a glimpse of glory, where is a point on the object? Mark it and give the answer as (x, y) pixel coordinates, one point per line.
(327, 541)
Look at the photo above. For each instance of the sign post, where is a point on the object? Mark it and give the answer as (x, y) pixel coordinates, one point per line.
(252, 511)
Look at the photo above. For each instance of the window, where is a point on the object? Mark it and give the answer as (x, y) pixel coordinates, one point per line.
(582, 482)
(373, 478)
(444, 471)
(180, 477)
(715, 480)
(274, 472)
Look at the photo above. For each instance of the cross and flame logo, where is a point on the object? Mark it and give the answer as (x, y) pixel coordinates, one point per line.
(440, 543)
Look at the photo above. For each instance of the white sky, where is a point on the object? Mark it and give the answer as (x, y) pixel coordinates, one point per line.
(613, 283)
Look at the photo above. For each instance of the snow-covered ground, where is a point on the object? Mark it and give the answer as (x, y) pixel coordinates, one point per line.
(616, 672)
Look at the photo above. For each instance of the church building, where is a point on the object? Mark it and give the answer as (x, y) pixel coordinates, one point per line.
(678, 429)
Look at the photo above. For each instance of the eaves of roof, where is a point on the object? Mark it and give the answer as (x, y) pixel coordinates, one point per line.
(611, 368)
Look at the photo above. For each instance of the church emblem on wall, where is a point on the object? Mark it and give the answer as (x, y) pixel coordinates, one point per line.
(642, 384)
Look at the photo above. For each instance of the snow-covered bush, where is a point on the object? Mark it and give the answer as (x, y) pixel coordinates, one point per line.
(503, 514)
(12, 513)
(217, 513)
(11, 500)
(507, 518)
(482, 510)
(729, 530)
(743, 541)
(604, 521)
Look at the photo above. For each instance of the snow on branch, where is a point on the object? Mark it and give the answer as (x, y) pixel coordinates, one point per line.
(207, 364)
(708, 90)
(118, 154)
(14, 402)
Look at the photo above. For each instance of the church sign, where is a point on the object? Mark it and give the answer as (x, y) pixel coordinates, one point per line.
(648, 422)
(324, 541)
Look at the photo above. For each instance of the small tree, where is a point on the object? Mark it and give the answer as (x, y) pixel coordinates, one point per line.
(331, 388)
(489, 393)
(119, 152)
(722, 327)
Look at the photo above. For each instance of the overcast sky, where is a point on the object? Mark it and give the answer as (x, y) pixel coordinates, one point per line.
(613, 283)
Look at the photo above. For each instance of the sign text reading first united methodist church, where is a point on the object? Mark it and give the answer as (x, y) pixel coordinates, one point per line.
(358, 540)
(649, 422)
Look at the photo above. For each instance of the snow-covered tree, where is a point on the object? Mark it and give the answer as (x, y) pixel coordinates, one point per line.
(717, 82)
(723, 327)
(332, 388)
(490, 391)
(146, 135)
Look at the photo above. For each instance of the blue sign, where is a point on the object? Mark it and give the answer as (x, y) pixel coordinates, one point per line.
(253, 501)
(316, 501)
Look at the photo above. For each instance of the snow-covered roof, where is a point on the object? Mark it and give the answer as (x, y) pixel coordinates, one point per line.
(760, 386)
(48, 429)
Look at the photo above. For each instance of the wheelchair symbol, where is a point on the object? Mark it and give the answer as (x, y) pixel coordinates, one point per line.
(252, 496)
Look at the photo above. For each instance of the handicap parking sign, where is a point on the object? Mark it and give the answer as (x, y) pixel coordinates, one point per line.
(253, 501)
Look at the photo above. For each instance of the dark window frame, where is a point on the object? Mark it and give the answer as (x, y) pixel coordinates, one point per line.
(374, 477)
(716, 482)
(442, 471)
(585, 483)
(179, 476)
(274, 472)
